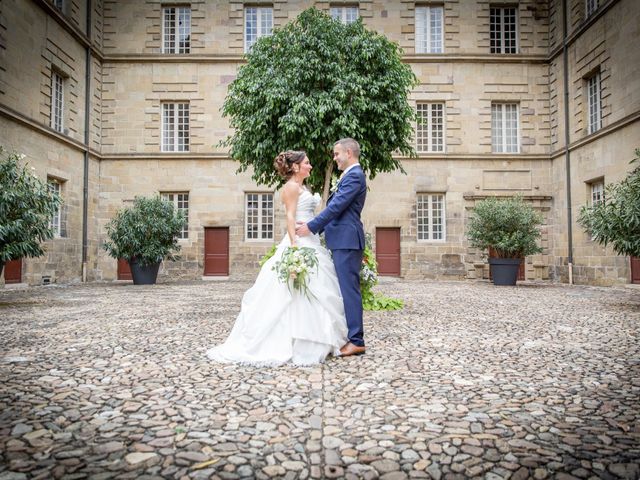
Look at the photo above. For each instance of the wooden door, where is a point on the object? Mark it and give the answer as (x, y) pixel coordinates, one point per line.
(635, 269)
(216, 251)
(388, 251)
(13, 271)
(124, 271)
(492, 254)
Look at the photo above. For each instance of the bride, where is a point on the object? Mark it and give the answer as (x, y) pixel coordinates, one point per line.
(276, 325)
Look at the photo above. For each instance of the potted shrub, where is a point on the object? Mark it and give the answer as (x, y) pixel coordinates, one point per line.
(144, 234)
(26, 209)
(508, 226)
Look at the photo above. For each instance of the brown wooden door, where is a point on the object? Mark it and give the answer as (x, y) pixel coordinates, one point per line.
(124, 271)
(13, 271)
(492, 254)
(216, 251)
(388, 251)
(635, 270)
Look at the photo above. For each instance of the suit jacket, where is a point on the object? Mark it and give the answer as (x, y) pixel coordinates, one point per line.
(340, 220)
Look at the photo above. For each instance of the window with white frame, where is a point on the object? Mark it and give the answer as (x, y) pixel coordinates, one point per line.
(259, 216)
(596, 191)
(429, 31)
(175, 127)
(594, 103)
(504, 128)
(180, 202)
(430, 127)
(592, 6)
(346, 14)
(504, 30)
(176, 29)
(258, 22)
(57, 101)
(430, 216)
(55, 187)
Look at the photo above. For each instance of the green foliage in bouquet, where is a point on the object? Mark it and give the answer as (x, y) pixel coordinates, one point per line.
(295, 267)
(268, 255)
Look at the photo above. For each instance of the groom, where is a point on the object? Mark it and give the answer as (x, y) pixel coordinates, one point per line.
(344, 234)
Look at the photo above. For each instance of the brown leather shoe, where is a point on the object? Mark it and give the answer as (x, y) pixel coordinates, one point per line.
(351, 349)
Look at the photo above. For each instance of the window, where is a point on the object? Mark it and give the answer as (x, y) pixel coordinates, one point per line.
(429, 29)
(258, 22)
(430, 216)
(176, 29)
(259, 216)
(175, 127)
(597, 192)
(180, 202)
(346, 15)
(595, 110)
(59, 4)
(504, 31)
(57, 101)
(504, 128)
(592, 6)
(55, 186)
(430, 127)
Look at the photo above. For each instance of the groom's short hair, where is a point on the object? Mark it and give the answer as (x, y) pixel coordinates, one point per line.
(349, 144)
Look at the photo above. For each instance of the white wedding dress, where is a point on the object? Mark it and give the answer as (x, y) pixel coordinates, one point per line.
(277, 326)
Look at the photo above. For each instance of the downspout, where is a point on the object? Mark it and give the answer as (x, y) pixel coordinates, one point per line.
(87, 123)
(567, 137)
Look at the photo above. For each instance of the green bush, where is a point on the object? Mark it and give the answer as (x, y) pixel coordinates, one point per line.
(616, 220)
(146, 232)
(26, 209)
(509, 226)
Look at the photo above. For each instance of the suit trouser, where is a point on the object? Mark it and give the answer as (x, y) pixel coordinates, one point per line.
(348, 263)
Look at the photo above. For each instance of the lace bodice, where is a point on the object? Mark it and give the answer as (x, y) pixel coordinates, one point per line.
(307, 204)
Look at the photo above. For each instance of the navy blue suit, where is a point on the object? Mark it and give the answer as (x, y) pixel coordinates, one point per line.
(344, 235)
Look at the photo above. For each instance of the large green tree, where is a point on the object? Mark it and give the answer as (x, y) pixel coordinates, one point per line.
(26, 209)
(313, 82)
(616, 220)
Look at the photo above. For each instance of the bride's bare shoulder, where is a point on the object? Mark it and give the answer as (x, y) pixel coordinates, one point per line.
(290, 189)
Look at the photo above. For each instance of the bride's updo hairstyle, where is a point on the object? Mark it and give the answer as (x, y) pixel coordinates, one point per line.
(284, 162)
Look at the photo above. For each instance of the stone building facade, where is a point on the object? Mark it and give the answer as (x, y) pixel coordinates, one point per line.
(110, 99)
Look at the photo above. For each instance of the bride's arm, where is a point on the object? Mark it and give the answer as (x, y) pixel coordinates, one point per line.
(290, 194)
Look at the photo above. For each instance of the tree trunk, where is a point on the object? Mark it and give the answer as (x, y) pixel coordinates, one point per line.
(327, 184)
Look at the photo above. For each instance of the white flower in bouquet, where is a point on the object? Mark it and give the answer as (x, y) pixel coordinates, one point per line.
(295, 268)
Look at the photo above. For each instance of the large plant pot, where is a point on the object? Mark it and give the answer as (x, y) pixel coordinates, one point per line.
(1, 267)
(504, 271)
(144, 275)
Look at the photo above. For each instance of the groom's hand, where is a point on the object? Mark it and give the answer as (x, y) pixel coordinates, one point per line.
(302, 230)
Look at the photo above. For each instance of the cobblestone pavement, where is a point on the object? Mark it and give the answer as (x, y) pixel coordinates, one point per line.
(110, 381)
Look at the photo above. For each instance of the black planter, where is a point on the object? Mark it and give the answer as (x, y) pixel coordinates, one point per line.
(144, 275)
(504, 271)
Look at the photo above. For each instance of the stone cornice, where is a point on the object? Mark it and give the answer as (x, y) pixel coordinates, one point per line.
(165, 156)
(172, 58)
(475, 58)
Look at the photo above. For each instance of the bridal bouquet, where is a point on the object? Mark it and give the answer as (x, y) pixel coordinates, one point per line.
(295, 267)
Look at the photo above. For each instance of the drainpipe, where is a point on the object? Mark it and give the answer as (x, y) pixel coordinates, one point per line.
(87, 123)
(567, 139)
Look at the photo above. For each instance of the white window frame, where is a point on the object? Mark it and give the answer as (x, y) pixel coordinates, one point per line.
(591, 6)
(176, 14)
(596, 191)
(344, 13)
(263, 25)
(57, 101)
(258, 217)
(426, 138)
(174, 114)
(500, 125)
(501, 32)
(55, 186)
(180, 202)
(425, 204)
(594, 103)
(426, 18)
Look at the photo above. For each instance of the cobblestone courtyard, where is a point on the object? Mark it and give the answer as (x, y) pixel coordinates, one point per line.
(111, 381)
